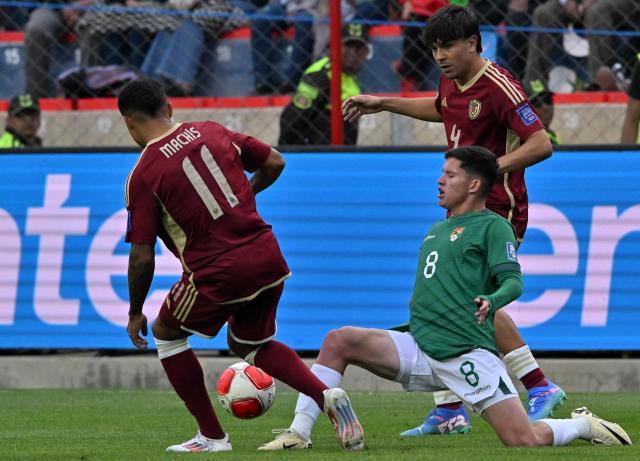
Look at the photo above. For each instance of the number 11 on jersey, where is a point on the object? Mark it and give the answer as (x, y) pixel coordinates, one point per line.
(201, 187)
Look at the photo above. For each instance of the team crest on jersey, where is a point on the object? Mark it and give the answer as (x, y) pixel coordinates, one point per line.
(456, 233)
(474, 109)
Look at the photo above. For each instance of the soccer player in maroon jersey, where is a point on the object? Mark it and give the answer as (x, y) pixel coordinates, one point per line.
(479, 103)
(190, 189)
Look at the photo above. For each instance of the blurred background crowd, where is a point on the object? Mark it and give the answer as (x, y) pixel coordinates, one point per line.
(244, 48)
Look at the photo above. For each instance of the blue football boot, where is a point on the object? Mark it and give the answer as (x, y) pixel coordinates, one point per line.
(442, 421)
(543, 400)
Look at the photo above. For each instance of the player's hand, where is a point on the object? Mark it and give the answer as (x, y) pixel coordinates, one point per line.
(356, 106)
(483, 310)
(138, 324)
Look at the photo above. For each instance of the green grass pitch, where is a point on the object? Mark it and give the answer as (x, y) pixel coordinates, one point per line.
(139, 425)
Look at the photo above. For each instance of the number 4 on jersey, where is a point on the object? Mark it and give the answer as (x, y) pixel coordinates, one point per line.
(454, 137)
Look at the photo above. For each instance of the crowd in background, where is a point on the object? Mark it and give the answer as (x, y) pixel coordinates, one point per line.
(169, 40)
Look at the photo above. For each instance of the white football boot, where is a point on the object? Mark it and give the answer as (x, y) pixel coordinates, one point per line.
(338, 408)
(602, 432)
(287, 439)
(200, 443)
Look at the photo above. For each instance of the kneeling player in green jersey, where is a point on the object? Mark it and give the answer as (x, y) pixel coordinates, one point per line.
(467, 270)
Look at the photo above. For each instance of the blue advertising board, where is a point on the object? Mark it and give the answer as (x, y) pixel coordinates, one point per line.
(349, 224)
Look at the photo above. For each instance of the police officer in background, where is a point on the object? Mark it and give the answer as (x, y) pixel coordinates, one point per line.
(23, 123)
(542, 101)
(307, 120)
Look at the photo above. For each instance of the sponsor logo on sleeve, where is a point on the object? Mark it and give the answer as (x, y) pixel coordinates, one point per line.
(512, 254)
(527, 115)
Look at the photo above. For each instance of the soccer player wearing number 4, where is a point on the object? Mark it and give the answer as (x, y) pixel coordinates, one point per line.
(467, 270)
(482, 104)
(189, 188)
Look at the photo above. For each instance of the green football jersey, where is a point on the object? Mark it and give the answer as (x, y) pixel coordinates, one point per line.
(459, 259)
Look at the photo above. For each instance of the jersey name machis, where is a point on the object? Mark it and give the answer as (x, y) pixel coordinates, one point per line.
(177, 142)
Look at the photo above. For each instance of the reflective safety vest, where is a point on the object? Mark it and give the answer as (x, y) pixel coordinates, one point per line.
(9, 140)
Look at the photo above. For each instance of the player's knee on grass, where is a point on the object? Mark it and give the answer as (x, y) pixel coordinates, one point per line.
(510, 423)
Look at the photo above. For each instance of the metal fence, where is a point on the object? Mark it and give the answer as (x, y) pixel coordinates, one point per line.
(239, 61)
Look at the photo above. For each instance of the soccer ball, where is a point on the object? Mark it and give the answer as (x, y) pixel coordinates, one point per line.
(246, 391)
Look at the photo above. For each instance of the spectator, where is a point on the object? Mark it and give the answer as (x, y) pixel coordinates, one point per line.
(306, 120)
(416, 65)
(592, 14)
(44, 28)
(542, 101)
(23, 123)
(264, 50)
(632, 116)
(612, 15)
(514, 52)
(545, 46)
(175, 56)
(107, 37)
(145, 20)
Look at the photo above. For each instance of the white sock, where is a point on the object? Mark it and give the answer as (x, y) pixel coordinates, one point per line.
(520, 361)
(307, 410)
(170, 348)
(566, 431)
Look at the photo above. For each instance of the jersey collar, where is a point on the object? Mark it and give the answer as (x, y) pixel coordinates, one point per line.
(163, 135)
(475, 78)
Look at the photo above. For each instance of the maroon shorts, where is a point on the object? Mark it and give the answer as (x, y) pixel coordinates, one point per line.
(252, 321)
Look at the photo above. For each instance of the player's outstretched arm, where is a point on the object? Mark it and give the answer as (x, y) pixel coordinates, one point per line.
(140, 275)
(536, 148)
(419, 108)
(268, 172)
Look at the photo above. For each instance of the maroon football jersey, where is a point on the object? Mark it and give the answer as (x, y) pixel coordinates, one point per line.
(189, 187)
(492, 110)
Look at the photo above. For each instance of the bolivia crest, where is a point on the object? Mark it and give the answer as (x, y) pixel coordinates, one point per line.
(456, 232)
(474, 109)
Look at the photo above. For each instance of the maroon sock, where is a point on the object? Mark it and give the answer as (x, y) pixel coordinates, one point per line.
(186, 377)
(535, 378)
(281, 362)
(451, 406)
